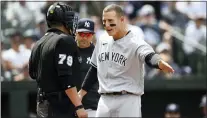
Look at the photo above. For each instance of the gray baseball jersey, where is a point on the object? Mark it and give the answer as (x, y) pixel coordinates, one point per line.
(120, 63)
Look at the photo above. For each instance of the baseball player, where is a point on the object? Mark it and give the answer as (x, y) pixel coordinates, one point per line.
(84, 36)
(118, 60)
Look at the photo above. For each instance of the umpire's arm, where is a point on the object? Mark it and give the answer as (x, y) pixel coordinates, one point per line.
(65, 51)
(34, 62)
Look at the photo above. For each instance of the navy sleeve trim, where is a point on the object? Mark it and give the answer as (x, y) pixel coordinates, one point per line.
(152, 60)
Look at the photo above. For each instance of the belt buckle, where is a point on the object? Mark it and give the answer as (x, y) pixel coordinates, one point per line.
(123, 92)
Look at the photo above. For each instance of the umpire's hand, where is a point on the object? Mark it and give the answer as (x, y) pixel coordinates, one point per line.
(81, 113)
(165, 67)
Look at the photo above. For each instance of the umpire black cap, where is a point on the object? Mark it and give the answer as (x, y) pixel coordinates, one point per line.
(85, 25)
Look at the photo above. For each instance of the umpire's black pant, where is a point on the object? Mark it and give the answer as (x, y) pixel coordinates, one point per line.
(52, 113)
(60, 108)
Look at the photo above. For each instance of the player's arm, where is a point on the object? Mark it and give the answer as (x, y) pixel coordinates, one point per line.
(64, 52)
(154, 60)
(90, 79)
(146, 53)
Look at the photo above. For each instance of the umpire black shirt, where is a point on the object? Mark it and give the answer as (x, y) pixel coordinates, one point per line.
(54, 63)
(90, 100)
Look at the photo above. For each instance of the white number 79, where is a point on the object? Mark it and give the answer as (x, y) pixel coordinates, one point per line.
(63, 57)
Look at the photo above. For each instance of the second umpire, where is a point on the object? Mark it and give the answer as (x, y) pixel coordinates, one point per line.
(55, 65)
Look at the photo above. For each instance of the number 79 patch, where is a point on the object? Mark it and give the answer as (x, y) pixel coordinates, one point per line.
(63, 57)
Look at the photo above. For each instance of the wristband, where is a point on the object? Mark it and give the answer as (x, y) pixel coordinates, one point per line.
(79, 107)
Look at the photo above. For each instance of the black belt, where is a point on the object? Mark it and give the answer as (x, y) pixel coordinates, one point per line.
(117, 93)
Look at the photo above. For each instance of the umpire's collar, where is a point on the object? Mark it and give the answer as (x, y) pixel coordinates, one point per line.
(55, 30)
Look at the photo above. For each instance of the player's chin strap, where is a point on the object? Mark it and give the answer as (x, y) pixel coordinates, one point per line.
(152, 60)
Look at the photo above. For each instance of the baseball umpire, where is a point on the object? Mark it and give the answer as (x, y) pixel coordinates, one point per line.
(118, 60)
(84, 36)
(55, 65)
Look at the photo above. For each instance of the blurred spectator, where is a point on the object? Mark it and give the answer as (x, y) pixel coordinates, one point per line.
(28, 42)
(191, 8)
(165, 51)
(29, 39)
(195, 35)
(23, 75)
(4, 22)
(203, 106)
(167, 40)
(46, 6)
(36, 6)
(127, 7)
(172, 111)
(147, 21)
(2, 63)
(20, 15)
(41, 26)
(166, 56)
(172, 16)
(14, 58)
(129, 10)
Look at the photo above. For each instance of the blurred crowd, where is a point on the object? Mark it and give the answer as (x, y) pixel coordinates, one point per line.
(176, 30)
(174, 110)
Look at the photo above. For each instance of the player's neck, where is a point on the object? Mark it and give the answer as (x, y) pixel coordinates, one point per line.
(120, 34)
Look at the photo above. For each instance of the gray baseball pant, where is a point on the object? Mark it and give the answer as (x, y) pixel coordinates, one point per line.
(127, 105)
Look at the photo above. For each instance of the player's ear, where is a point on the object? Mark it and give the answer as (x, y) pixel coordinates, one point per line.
(122, 18)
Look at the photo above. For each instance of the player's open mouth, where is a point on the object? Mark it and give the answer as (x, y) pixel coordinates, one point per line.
(109, 30)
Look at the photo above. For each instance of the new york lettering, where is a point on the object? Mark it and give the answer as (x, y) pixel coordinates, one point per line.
(116, 57)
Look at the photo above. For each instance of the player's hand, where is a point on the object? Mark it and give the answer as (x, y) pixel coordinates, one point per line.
(165, 67)
(81, 113)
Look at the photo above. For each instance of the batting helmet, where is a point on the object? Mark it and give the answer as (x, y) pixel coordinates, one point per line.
(62, 13)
